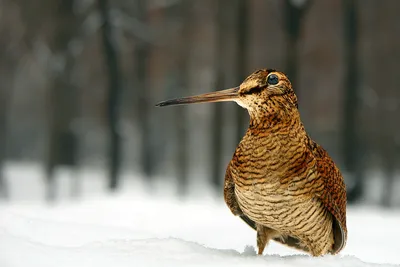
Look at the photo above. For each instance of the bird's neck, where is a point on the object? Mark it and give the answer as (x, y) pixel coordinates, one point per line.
(274, 119)
(272, 136)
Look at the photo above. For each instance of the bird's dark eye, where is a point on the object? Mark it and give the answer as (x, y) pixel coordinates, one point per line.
(272, 79)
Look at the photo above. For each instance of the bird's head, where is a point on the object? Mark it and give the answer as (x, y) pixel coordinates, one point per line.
(265, 92)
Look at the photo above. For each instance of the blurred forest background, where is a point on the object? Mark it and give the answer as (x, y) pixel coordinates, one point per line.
(79, 80)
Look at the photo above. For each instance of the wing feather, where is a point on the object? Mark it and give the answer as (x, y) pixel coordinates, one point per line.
(334, 194)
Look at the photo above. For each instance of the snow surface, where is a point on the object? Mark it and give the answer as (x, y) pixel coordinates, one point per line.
(143, 231)
(134, 228)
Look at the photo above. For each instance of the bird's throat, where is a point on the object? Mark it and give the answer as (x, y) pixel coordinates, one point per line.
(274, 121)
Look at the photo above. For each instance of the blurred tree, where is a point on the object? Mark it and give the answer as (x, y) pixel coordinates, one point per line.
(350, 139)
(63, 95)
(242, 39)
(381, 59)
(4, 98)
(183, 71)
(222, 26)
(114, 92)
(142, 90)
(295, 11)
(389, 168)
(8, 62)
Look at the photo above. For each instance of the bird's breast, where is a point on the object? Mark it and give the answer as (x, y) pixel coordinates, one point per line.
(267, 173)
(274, 185)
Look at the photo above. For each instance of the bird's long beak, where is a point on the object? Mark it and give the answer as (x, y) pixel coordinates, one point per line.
(218, 96)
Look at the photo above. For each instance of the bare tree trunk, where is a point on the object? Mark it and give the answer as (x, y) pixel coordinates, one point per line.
(242, 20)
(10, 54)
(390, 173)
(3, 139)
(183, 83)
(141, 56)
(217, 119)
(351, 142)
(295, 12)
(240, 28)
(63, 104)
(182, 151)
(114, 92)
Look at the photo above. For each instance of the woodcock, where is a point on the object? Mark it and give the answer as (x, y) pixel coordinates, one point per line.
(279, 181)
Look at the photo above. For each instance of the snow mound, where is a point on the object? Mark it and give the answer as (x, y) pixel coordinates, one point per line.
(19, 252)
(153, 231)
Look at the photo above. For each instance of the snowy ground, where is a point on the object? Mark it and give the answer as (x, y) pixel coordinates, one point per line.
(135, 229)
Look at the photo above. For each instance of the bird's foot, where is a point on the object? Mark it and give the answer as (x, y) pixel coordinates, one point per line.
(264, 234)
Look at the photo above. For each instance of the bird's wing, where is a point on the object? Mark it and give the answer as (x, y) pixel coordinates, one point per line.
(334, 194)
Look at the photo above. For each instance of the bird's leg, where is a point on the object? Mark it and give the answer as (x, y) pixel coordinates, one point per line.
(264, 234)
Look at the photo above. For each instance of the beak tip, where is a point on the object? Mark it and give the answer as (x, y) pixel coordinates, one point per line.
(168, 103)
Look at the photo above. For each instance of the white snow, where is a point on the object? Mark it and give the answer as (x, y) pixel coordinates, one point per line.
(137, 229)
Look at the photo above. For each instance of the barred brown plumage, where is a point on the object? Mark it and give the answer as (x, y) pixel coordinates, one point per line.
(279, 181)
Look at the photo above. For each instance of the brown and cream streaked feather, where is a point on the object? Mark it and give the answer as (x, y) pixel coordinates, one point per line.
(279, 181)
